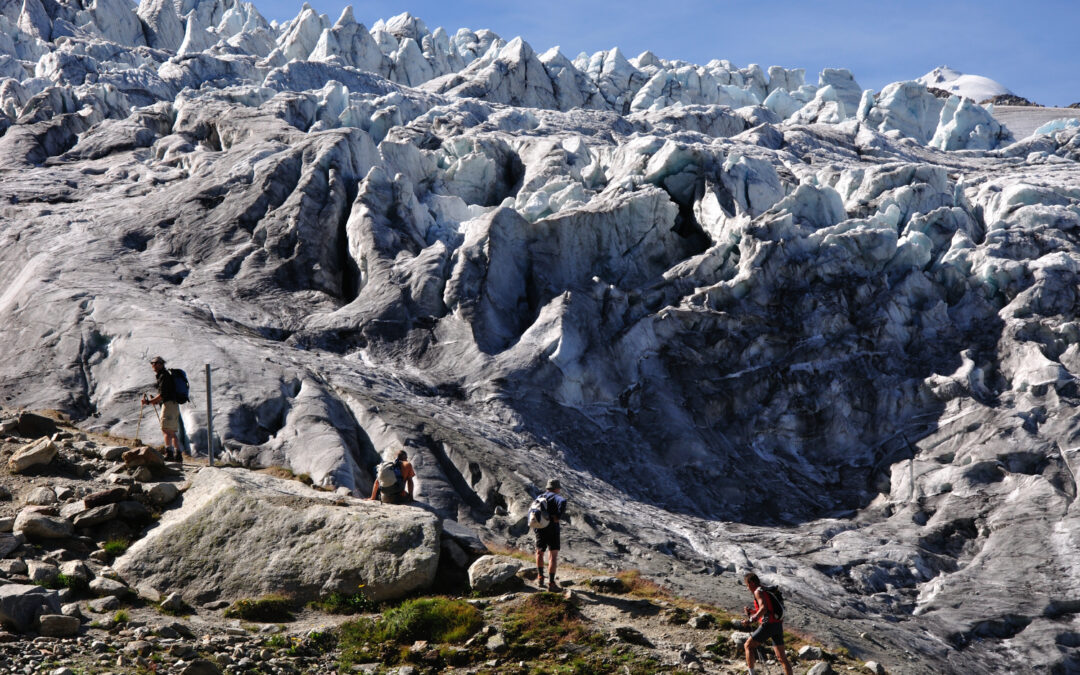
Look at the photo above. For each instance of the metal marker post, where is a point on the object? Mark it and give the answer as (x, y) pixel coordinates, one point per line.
(209, 419)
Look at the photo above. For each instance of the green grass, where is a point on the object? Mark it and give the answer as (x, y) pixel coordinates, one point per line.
(438, 620)
(121, 616)
(344, 603)
(64, 581)
(548, 620)
(267, 609)
(116, 547)
(640, 586)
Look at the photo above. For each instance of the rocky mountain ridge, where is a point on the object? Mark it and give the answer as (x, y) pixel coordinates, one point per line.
(752, 323)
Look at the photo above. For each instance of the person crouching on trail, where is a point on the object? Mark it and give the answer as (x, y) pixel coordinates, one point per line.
(547, 538)
(771, 625)
(170, 409)
(394, 480)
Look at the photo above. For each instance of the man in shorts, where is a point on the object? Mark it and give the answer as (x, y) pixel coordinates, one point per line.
(170, 409)
(547, 538)
(771, 625)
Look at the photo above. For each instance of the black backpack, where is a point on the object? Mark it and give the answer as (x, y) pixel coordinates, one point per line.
(776, 600)
(180, 385)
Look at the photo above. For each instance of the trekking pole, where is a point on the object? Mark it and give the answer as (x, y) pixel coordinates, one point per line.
(138, 425)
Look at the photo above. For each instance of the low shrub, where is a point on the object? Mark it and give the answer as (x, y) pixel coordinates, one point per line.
(267, 609)
(121, 616)
(116, 547)
(438, 620)
(640, 586)
(344, 603)
(548, 620)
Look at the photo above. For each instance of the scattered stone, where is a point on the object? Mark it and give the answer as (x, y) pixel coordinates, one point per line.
(102, 587)
(821, 669)
(112, 453)
(41, 572)
(142, 474)
(632, 636)
(9, 567)
(874, 667)
(42, 496)
(109, 496)
(76, 569)
(38, 453)
(96, 516)
(8, 543)
(139, 647)
(173, 603)
(496, 643)
(63, 671)
(72, 609)
(162, 493)
(32, 425)
(64, 493)
(143, 457)
(40, 526)
(58, 625)
(22, 604)
(811, 653)
(148, 592)
(703, 620)
(607, 584)
(5, 494)
(216, 605)
(106, 604)
(492, 573)
(738, 638)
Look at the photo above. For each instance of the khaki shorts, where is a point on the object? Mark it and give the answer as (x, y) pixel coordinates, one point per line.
(170, 416)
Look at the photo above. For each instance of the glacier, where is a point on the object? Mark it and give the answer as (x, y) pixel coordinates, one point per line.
(753, 321)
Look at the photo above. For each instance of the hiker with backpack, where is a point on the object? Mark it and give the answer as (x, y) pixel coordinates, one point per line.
(172, 386)
(768, 611)
(545, 514)
(394, 480)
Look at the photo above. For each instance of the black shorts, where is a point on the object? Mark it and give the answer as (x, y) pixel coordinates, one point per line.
(547, 538)
(769, 631)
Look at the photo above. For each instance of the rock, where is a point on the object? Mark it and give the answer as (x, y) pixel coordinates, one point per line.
(738, 638)
(112, 453)
(103, 497)
(62, 671)
(632, 635)
(102, 605)
(9, 543)
(702, 621)
(147, 457)
(7, 523)
(272, 535)
(41, 496)
(76, 569)
(5, 494)
(96, 516)
(32, 425)
(821, 669)
(148, 592)
(173, 603)
(132, 512)
(103, 587)
(39, 526)
(607, 584)
(142, 474)
(41, 572)
(496, 643)
(64, 493)
(9, 567)
(21, 605)
(811, 653)
(492, 573)
(201, 667)
(72, 609)
(36, 454)
(162, 493)
(58, 625)
(874, 667)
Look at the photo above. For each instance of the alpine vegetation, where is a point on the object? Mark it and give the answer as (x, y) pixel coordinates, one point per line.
(754, 321)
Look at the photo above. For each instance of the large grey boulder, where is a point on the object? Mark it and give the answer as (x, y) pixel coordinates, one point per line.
(41, 526)
(22, 604)
(58, 625)
(240, 534)
(38, 453)
(493, 572)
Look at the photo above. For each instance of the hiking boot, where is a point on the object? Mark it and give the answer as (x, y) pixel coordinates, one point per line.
(553, 586)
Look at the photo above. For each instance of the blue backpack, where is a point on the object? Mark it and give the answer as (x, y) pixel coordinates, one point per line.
(183, 389)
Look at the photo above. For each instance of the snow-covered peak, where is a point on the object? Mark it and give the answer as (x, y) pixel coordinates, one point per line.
(976, 87)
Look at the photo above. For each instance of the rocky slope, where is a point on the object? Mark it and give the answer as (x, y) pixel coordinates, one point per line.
(137, 566)
(750, 321)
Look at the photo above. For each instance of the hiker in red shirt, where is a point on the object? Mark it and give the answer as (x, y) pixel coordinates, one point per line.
(769, 612)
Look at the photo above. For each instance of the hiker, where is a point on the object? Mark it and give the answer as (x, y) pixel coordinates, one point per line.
(770, 617)
(400, 489)
(547, 538)
(170, 408)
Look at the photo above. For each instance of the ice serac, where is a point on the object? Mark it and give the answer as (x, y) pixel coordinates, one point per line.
(843, 83)
(965, 125)
(161, 24)
(906, 107)
(514, 77)
(353, 43)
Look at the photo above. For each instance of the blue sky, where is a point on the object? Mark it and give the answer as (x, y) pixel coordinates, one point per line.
(1031, 47)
